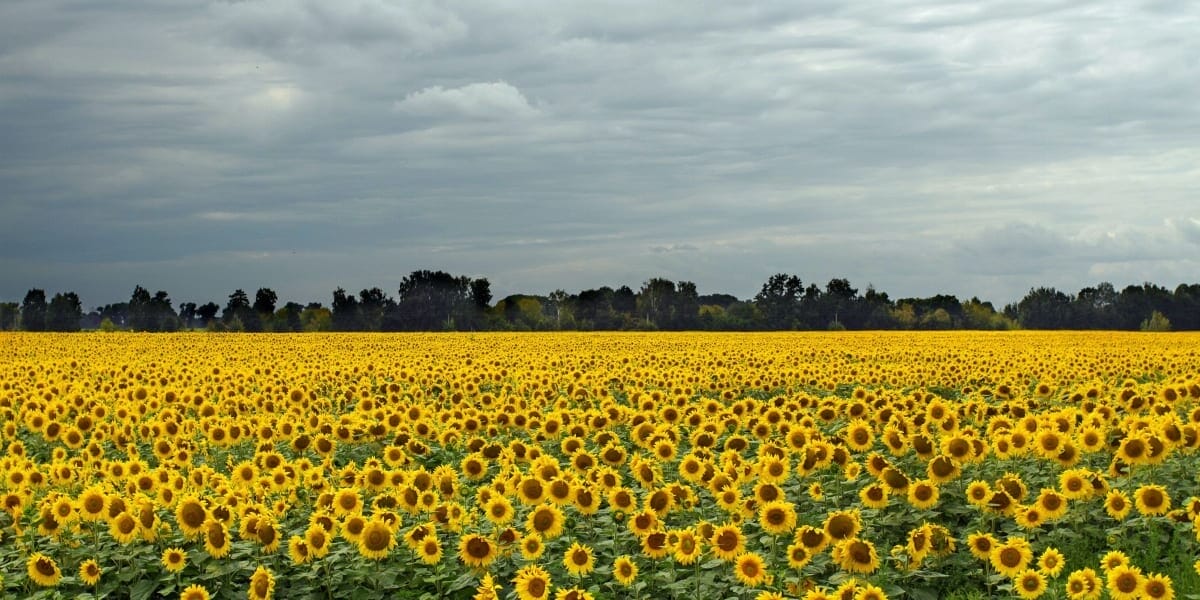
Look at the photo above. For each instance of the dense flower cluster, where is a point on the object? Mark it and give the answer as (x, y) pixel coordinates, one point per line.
(584, 466)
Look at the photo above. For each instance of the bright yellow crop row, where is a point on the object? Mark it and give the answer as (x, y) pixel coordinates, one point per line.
(570, 465)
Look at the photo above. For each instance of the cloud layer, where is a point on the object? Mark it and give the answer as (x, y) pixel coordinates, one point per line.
(921, 146)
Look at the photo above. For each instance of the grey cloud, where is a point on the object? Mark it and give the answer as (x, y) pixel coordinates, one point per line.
(924, 146)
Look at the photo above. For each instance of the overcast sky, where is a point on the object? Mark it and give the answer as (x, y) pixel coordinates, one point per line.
(971, 148)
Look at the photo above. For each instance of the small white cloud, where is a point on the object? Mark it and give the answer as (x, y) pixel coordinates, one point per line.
(491, 100)
(670, 248)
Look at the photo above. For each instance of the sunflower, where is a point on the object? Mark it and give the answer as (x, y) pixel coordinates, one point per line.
(1157, 587)
(981, 545)
(1052, 504)
(216, 539)
(858, 436)
(587, 502)
(89, 572)
(918, 545)
(978, 493)
(262, 584)
(194, 592)
(1152, 500)
(1074, 484)
(532, 583)
(777, 518)
(894, 479)
(476, 551)
(856, 556)
(943, 469)
(346, 501)
(1117, 504)
(43, 570)
(376, 540)
(843, 524)
(659, 501)
(532, 546)
(298, 550)
(267, 535)
(546, 520)
(870, 592)
(621, 500)
(772, 469)
(124, 528)
(624, 570)
(1051, 562)
(531, 491)
(1029, 584)
(190, 515)
(1124, 582)
(874, 496)
(573, 594)
(1011, 557)
(91, 504)
(923, 495)
(750, 569)
(1113, 559)
(1133, 451)
(687, 547)
(728, 541)
(1083, 585)
(815, 539)
(174, 559)
(352, 528)
(1029, 517)
(498, 510)
(798, 556)
(316, 537)
(579, 560)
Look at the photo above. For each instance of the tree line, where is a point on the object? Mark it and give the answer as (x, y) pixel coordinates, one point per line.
(439, 301)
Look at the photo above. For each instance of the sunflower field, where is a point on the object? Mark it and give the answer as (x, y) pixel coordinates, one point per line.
(855, 466)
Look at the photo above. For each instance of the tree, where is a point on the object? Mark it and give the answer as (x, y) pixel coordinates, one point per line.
(1096, 307)
(779, 301)
(140, 316)
(9, 311)
(481, 293)
(288, 318)
(207, 312)
(557, 301)
(1156, 322)
(116, 313)
(656, 302)
(238, 307)
(433, 300)
(187, 315)
(345, 315)
(1137, 301)
(837, 304)
(623, 301)
(163, 315)
(686, 306)
(374, 306)
(264, 301)
(315, 317)
(1044, 308)
(64, 313)
(33, 310)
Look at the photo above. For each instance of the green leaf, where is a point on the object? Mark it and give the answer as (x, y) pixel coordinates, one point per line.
(922, 594)
(143, 589)
(712, 564)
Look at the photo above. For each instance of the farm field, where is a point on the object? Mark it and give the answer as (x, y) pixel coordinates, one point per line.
(856, 466)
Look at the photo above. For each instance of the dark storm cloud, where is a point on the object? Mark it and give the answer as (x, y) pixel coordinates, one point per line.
(920, 146)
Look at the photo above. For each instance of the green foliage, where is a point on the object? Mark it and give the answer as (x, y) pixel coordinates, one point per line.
(1156, 322)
